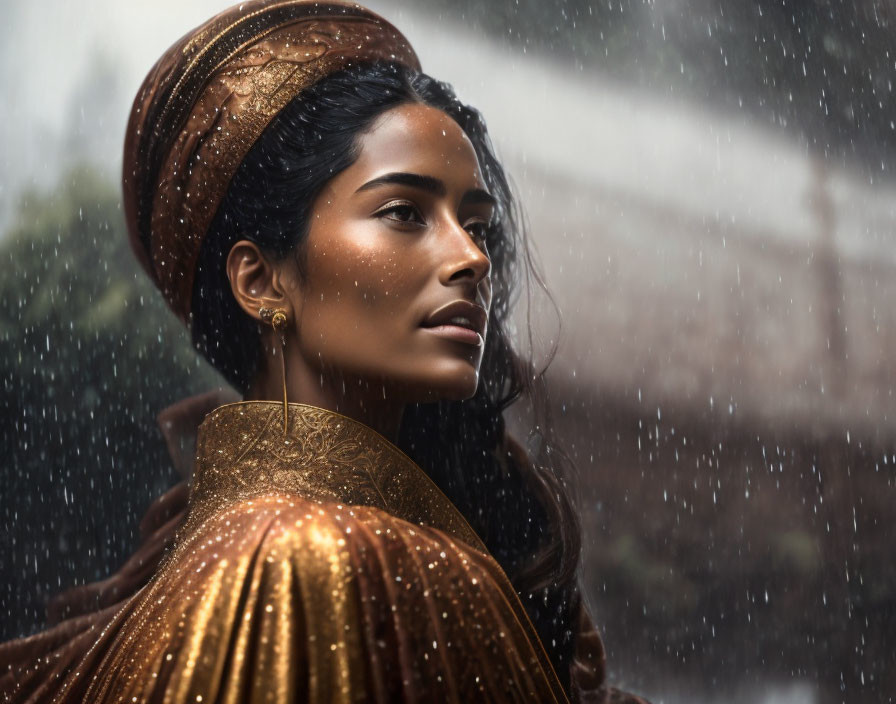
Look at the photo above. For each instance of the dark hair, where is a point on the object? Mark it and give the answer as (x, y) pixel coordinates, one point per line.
(462, 445)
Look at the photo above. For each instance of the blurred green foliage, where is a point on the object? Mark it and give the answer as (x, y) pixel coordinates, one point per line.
(89, 354)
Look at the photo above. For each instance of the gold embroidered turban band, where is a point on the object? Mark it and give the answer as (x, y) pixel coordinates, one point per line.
(206, 102)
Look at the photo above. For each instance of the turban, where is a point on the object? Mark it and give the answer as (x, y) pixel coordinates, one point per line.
(206, 102)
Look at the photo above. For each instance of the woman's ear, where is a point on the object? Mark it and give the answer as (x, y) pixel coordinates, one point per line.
(255, 280)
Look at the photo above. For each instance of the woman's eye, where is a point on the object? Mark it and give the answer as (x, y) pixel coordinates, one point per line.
(402, 212)
(478, 231)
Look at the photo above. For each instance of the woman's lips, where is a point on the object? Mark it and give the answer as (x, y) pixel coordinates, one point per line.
(460, 321)
(457, 333)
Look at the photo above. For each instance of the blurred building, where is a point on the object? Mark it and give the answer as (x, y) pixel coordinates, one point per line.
(724, 377)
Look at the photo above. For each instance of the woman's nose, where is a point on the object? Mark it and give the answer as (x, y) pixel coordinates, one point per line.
(464, 259)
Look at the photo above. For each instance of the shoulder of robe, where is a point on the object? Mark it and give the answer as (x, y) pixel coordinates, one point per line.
(280, 597)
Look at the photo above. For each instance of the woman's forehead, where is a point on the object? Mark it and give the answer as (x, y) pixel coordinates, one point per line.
(417, 138)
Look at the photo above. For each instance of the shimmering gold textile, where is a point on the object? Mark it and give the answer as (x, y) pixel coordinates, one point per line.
(206, 102)
(320, 567)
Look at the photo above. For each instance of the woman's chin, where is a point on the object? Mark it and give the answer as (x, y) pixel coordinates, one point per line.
(461, 394)
(454, 387)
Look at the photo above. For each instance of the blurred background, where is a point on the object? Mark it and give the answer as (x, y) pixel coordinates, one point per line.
(710, 186)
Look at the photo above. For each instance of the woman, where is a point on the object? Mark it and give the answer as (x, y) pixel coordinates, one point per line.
(336, 231)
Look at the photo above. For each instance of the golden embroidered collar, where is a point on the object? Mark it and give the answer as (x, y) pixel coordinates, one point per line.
(242, 452)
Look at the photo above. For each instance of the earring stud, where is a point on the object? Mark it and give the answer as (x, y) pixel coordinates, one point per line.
(275, 317)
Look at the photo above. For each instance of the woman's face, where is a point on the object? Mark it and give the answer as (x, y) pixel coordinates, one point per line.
(396, 289)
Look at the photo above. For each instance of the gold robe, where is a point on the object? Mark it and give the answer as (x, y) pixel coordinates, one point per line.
(322, 565)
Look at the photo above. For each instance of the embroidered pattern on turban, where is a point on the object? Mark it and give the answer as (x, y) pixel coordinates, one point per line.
(206, 102)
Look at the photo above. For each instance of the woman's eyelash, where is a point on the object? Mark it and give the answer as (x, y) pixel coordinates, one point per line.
(479, 229)
(479, 226)
(392, 209)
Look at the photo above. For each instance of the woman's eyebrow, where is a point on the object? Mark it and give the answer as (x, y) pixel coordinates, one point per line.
(477, 196)
(424, 183)
(428, 184)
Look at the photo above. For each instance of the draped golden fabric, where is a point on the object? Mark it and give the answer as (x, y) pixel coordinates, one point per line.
(323, 566)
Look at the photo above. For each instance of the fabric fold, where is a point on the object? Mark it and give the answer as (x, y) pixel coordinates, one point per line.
(291, 581)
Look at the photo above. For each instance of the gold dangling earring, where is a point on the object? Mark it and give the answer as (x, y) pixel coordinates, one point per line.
(276, 318)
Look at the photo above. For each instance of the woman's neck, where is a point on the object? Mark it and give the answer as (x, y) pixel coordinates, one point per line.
(362, 400)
